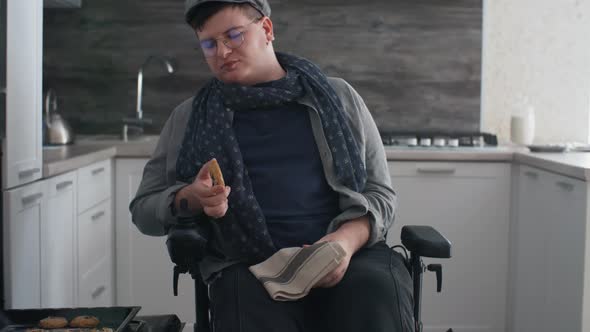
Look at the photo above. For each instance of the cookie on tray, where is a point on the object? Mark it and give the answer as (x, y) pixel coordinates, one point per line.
(86, 322)
(53, 323)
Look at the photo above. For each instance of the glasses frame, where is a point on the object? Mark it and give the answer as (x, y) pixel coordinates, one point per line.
(226, 40)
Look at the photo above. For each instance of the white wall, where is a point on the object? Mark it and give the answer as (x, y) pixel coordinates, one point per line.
(539, 49)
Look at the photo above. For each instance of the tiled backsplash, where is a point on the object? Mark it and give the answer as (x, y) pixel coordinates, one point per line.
(417, 64)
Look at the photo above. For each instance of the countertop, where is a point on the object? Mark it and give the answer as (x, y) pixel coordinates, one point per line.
(61, 159)
(572, 164)
(90, 149)
(498, 154)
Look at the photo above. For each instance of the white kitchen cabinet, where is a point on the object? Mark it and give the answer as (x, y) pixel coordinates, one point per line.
(22, 149)
(23, 215)
(144, 269)
(550, 267)
(95, 235)
(39, 243)
(58, 248)
(95, 256)
(95, 183)
(469, 203)
(57, 254)
(95, 289)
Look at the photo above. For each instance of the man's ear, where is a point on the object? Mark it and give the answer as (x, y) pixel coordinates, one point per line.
(268, 29)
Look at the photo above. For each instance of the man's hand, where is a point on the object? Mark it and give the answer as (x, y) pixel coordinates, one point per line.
(351, 235)
(201, 194)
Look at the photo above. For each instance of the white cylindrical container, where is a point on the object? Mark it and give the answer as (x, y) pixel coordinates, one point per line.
(522, 127)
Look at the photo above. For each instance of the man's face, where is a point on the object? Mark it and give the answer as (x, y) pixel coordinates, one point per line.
(239, 65)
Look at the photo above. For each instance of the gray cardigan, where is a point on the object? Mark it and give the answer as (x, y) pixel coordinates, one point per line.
(151, 211)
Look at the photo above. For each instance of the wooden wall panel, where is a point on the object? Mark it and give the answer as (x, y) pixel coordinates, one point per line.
(416, 63)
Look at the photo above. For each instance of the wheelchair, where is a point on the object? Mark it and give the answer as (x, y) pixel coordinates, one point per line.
(186, 246)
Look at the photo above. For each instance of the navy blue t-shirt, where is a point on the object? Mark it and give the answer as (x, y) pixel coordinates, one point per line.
(286, 171)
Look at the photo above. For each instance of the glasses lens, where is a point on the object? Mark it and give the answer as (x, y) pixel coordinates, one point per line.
(209, 47)
(234, 39)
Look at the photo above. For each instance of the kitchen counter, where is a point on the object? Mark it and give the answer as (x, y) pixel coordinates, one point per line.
(572, 164)
(450, 154)
(61, 159)
(142, 147)
(89, 149)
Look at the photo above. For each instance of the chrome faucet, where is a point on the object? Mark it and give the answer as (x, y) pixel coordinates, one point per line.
(135, 125)
(166, 61)
(139, 112)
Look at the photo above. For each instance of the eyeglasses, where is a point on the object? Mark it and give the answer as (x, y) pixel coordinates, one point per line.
(234, 38)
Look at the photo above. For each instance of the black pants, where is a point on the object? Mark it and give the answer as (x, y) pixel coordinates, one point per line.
(375, 295)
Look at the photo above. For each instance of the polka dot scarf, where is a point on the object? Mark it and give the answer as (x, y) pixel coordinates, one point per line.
(209, 134)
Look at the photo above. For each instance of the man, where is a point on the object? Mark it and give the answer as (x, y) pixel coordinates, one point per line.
(304, 163)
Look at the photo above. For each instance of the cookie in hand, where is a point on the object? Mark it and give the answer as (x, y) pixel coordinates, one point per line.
(215, 172)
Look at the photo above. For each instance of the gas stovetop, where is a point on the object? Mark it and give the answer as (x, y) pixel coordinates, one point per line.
(433, 139)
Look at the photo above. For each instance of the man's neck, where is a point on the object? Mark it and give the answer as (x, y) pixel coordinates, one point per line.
(272, 71)
(277, 73)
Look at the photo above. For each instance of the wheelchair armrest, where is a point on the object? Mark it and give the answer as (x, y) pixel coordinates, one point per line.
(186, 245)
(425, 241)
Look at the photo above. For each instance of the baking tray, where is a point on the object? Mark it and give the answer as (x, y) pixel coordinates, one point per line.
(135, 326)
(115, 318)
(161, 323)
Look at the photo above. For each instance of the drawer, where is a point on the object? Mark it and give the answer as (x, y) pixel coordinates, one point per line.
(25, 197)
(448, 169)
(96, 286)
(94, 184)
(62, 183)
(94, 236)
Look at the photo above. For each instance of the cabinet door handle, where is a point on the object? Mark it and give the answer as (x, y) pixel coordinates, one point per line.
(97, 215)
(28, 172)
(63, 185)
(532, 175)
(565, 185)
(31, 198)
(98, 170)
(436, 170)
(98, 291)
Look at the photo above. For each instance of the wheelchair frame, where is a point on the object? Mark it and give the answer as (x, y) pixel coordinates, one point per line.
(420, 241)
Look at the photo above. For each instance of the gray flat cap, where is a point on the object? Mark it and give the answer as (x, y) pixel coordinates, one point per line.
(191, 6)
